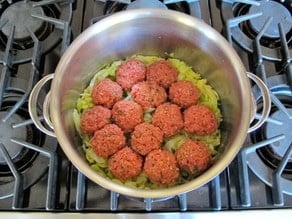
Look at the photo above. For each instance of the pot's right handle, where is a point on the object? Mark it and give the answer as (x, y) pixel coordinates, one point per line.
(266, 102)
(32, 106)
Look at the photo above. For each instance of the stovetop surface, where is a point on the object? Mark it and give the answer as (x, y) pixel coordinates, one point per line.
(236, 188)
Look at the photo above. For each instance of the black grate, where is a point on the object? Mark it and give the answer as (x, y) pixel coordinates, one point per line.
(49, 182)
(263, 185)
(30, 173)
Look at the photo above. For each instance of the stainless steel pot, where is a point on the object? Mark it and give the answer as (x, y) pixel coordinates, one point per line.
(151, 32)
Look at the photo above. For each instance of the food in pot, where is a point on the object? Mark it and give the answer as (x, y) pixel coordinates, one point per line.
(151, 121)
(125, 164)
(162, 72)
(161, 167)
(145, 138)
(130, 72)
(193, 156)
(95, 118)
(108, 140)
(148, 94)
(127, 114)
(200, 119)
(184, 93)
(106, 93)
(168, 118)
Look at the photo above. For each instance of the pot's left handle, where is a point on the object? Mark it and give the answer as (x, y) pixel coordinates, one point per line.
(32, 107)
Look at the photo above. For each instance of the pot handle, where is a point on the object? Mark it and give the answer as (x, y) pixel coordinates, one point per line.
(32, 107)
(266, 102)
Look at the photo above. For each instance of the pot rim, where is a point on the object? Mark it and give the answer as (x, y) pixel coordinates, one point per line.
(82, 164)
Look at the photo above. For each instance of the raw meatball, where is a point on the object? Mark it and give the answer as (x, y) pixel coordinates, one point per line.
(162, 72)
(148, 94)
(130, 72)
(145, 138)
(193, 156)
(106, 93)
(168, 118)
(108, 140)
(95, 118)
(161, 167)
(184, 93)
(200, 119)
(127, 114)
(125, 164)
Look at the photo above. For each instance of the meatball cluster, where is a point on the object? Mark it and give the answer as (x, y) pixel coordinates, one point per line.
(119, 133)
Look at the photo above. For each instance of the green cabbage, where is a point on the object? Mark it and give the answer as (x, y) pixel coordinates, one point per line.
(147, 60)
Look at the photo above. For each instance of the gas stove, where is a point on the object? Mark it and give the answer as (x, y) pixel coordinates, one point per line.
(35, 175)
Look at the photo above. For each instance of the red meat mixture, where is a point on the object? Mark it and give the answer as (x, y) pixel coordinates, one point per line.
(130, 72)
(193, 156)
(95, 118)
(161, 167)
(148, 94)
(184, 93)
(168, 118)
(108, 140)
(106, 93)
(127, 114)
(200, 119)
(145, 138)
(125, 164)
(162, 72)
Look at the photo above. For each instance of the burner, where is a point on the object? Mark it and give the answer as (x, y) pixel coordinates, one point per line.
(7, 132)
(19, 15)
(246, 20)
(41, 18)
(21, 156)
(31, 164)
(265, 160)
(274, 152)
(278, 12)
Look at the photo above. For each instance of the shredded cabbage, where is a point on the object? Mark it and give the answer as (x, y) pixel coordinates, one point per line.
(208, 97)
(147, 60)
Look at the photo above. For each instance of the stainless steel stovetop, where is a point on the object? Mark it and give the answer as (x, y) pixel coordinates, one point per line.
(36, 177)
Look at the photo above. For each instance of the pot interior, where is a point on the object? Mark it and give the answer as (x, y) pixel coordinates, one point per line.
(160, 33)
